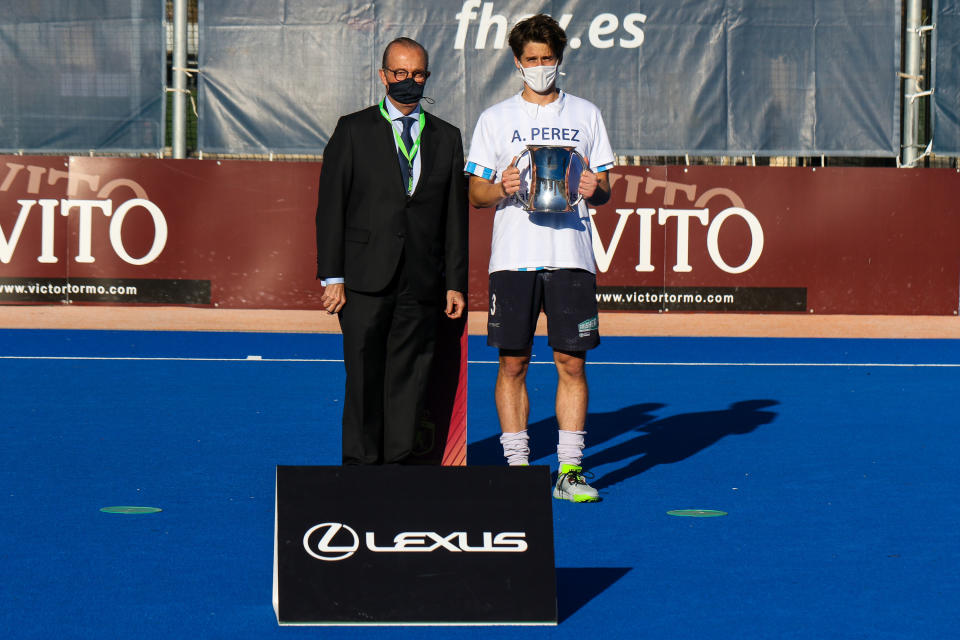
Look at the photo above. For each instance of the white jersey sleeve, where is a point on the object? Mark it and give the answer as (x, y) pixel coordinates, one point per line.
(482, 158)
(600, 153)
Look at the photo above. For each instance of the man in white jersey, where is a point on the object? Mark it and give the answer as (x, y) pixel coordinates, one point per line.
(541, 260)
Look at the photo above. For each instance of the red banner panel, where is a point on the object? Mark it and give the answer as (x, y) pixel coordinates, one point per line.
(770, 239)
(236, 234)
(241, 235)
(442, 436)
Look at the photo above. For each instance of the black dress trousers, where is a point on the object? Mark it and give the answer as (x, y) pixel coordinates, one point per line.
(388, 343)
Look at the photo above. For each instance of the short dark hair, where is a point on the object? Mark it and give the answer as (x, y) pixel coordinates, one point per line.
(539, 28)
(408, 42)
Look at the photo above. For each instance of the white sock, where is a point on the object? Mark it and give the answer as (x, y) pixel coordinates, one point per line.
(570, 447)
(516, 448)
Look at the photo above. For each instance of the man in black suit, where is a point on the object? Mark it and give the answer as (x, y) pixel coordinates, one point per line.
(391, 253)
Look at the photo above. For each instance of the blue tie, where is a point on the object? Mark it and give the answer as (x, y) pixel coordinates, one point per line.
(406, 167)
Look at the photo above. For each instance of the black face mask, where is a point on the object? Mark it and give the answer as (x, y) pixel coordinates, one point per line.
(407, 91)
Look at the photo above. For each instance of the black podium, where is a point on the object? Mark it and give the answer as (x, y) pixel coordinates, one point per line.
(414, 545)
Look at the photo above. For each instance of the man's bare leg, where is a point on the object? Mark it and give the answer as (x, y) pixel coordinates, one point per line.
(572, 391)
(513, 405)
(572, 398)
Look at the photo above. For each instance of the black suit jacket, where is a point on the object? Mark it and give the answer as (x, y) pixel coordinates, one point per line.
(365, 220)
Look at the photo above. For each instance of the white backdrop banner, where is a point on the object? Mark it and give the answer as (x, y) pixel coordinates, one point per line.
(707, 77)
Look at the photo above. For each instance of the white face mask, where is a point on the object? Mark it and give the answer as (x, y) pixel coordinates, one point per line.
(540, 79)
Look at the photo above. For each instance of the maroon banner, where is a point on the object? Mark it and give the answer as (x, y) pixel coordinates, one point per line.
(236, 235)
(768, 239)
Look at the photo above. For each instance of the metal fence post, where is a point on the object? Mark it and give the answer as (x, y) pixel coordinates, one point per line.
(179, 78)
(912, 64)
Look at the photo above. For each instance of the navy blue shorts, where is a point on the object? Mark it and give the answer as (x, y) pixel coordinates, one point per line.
(568, 297)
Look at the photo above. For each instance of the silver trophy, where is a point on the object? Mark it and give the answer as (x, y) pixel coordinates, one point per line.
(550, 185)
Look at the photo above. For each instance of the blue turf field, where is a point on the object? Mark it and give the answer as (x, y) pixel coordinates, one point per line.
(835, 460)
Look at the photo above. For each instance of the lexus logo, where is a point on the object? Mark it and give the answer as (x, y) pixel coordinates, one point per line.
(332, 541)
(324, 549)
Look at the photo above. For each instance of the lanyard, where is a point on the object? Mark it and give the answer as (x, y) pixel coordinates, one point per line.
(409, 155)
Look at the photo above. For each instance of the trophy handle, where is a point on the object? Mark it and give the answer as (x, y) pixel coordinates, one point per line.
(583, 165)
(524, 201)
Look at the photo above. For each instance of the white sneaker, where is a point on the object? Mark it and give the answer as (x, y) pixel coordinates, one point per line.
(572, 485)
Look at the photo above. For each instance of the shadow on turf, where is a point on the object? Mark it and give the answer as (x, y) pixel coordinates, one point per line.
(675, 438)
(656, 441)
(543, 434)
(578, 586)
